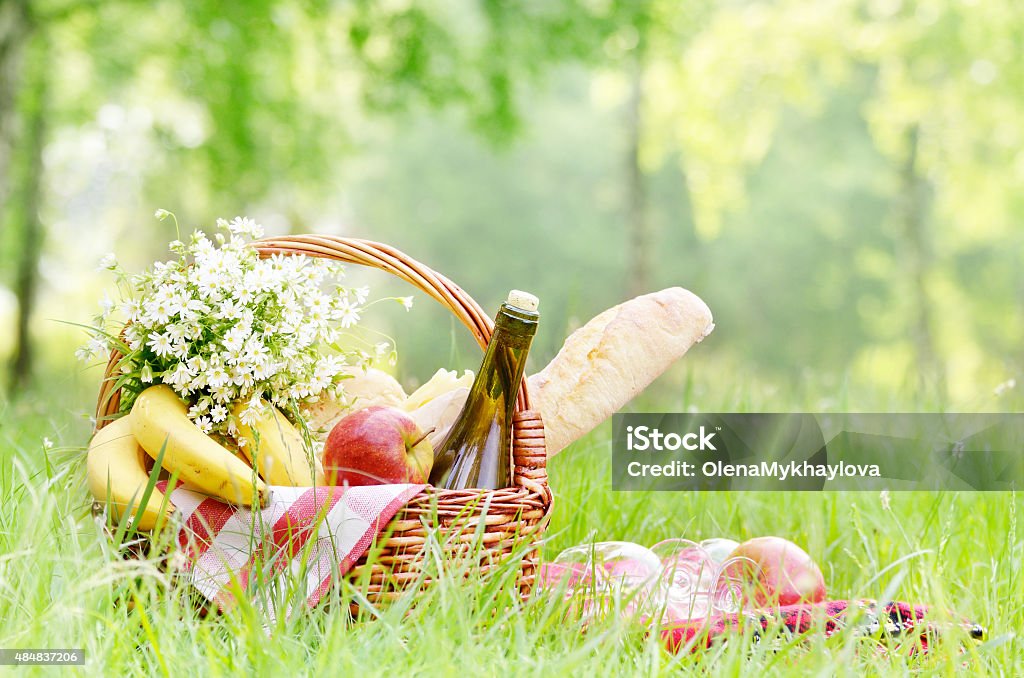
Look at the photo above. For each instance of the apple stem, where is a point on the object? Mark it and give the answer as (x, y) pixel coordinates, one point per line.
(422, 437)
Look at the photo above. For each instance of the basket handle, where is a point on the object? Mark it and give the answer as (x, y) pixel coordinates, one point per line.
(390, 260)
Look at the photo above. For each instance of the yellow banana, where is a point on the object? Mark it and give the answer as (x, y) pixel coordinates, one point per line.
(116, 461)
(275, 448)
(231, 446)
(160, 417)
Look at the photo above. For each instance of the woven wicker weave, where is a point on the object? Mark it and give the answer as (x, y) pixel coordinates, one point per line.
(513, 518)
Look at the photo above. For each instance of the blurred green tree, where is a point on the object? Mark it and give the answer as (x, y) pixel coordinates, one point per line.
(24, 115)
(841, 180)
(269, 83)
(943, 105)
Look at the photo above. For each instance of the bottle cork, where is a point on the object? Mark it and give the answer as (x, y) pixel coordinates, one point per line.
(523, 300)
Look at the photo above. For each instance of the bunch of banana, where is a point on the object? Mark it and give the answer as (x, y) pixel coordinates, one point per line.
(158, 422)
(116, 470)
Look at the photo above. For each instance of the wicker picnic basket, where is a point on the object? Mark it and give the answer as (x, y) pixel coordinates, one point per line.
(492, 524)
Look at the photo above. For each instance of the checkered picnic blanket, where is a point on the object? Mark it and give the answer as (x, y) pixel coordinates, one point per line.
(323, 531)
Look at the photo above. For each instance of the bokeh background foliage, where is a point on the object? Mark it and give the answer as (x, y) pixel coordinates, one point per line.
(840, 180)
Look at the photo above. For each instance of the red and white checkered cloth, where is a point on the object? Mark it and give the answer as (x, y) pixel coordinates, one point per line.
(228, 548)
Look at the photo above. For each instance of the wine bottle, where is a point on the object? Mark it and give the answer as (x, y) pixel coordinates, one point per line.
(477, 452)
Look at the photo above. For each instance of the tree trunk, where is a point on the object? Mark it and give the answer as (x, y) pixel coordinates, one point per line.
(25, 203)
(14, 32)
(915, 228)
(639, 267)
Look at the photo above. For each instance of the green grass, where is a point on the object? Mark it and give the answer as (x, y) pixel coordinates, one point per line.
(61, 583)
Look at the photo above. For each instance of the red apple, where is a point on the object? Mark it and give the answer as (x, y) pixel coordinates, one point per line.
(377, 445)
(786, 574)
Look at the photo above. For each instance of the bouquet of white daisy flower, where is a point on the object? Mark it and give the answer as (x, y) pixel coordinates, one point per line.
(220, 325)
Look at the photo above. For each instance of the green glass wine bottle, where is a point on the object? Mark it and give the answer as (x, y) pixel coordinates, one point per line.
(477, 452)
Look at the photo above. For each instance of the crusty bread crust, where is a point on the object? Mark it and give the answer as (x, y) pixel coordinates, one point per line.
(612, 358)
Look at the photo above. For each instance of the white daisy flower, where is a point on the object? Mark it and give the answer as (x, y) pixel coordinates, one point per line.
(157, 312)
(98, 345)
(234, 340)
(208, 285)
(199, 408)
(346, 313)
(106, 305)
(204, 424)
(108, 262)
(131, 309)
(176, 331)
(243, 294)
(178, 377)
(161, 343)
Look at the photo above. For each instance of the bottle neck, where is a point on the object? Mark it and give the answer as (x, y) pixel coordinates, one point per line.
(515, 322)
(505, 359)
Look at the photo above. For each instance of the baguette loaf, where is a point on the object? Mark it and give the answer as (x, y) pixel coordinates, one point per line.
(612, 358)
